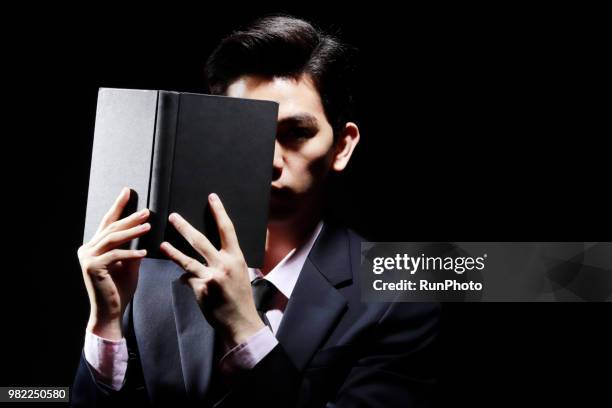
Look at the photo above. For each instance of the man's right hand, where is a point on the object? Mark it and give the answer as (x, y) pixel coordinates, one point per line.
(111, 273)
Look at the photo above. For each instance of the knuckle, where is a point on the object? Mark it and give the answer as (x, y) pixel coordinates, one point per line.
(104, 242)
(112, 227)
(194, 243)
(208, 274)
(227, 225)
(190, 265)
(234, 262)
(225, 256)
(225, 270)
(113, 238)
(200, 287)
(105, 221)
(86, 264)
(111, 256)
(199, 247)
(217, 279)
(105, 218)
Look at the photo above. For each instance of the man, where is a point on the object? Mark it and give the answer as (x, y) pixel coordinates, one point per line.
(293, 333)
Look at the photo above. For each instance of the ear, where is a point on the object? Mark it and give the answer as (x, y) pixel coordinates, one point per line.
(345, 145)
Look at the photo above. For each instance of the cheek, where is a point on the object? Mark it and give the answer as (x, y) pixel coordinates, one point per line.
(300, 168)
(314, 161)
(307, 164)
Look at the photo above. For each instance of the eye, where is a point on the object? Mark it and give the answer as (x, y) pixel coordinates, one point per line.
(299, 133)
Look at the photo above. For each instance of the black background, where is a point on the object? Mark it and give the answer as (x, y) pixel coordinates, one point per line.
(477, 124)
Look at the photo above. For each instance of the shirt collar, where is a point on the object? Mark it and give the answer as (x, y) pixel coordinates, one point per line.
(285, 274)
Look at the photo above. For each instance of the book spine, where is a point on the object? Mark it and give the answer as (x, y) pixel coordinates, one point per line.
(161, 170)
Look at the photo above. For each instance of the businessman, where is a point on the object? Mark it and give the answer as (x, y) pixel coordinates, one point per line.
(293, 333)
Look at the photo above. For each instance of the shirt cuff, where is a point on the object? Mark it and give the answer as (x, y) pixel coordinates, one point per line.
(246, 355)
(108, 359)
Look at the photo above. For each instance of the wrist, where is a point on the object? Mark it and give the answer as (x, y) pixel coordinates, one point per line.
(240, 333)
(107, 329)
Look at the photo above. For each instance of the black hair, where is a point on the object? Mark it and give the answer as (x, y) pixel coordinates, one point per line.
(285, 46)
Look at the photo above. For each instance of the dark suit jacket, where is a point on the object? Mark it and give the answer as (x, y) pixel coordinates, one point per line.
(333, 351)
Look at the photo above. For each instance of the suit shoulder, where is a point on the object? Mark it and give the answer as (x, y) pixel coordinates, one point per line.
(355, 236)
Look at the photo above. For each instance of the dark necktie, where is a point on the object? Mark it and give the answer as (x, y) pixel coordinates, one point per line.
(263, 294)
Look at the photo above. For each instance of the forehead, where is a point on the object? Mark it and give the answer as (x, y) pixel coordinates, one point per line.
(294, 95)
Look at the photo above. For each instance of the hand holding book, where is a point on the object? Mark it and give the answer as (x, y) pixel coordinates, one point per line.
(221, 286)
(110, 272)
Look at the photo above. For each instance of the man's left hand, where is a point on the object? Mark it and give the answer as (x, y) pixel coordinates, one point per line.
(222, 287)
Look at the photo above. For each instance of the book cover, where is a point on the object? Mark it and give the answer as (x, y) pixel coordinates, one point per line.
(175, 148)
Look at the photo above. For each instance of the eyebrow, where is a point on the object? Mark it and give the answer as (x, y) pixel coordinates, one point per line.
(302, 119)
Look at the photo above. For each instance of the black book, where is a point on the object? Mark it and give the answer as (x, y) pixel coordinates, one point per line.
(175, 148)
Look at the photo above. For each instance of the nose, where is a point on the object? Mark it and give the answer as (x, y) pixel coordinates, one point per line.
(277, 165)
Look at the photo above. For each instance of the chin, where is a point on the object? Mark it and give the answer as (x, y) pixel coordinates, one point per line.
(286, 206)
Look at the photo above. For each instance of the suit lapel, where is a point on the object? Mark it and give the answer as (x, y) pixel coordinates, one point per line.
(195, 339)
(316, 305)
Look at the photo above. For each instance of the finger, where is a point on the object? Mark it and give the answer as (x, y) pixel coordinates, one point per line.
(195, 238)
(122, 224)
(116, 209)
(121, 255)
(197, 284)
(186, 262)
(117, 238)
(229, 240)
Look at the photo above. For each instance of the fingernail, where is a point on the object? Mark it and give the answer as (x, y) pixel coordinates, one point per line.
(142, 252)
(213, 197)
(173, 217)
(143, 212)
(145, 226)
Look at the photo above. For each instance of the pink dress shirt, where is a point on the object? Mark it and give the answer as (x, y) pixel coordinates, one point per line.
(109, 358)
